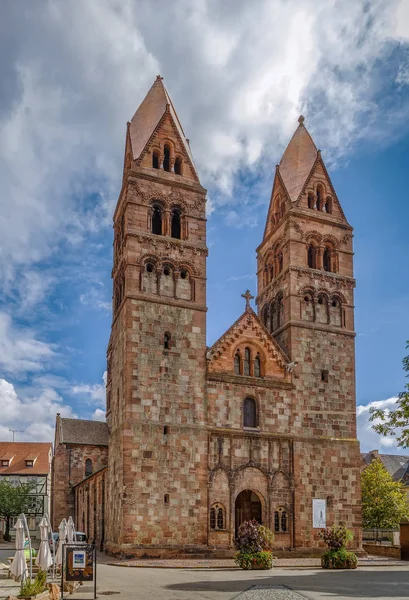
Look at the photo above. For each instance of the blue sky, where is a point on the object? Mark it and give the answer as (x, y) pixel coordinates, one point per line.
(238, 78)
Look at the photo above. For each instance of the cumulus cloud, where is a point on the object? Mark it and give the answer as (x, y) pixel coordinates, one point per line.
(239, 77)
(98, 415)
(94, 394)
(370, 440)
(20, 350)
(33, 415)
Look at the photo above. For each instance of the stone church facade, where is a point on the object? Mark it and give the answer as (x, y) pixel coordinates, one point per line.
(264, 421)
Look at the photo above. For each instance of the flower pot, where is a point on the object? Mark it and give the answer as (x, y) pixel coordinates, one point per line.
(329, 564)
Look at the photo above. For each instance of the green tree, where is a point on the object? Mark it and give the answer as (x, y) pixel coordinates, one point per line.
(395, 422)
(13, 500)
(384, 502)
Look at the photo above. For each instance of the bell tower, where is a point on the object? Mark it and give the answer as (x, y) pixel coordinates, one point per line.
(157, 471)
(306, 300)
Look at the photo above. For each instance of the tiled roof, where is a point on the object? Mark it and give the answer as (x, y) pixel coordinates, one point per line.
(297, 161)
(148, 115)
(397, 465)
(19, 452)
(80, 431)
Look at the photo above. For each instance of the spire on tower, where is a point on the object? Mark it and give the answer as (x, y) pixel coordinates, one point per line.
(298, 160)
(148, 116)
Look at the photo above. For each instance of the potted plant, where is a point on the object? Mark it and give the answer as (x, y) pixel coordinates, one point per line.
(337, 556)
(253, 545)
(36, 588)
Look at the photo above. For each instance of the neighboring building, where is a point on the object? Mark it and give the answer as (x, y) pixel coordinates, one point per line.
(80, 449)
(263, 422)
(28, 463)
(397, 465)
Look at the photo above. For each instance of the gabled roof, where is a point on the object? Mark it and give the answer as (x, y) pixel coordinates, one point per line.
(149, 115)
(19, 452)
(83, 432)
(298, 160)
(397, 465)
(249, 327)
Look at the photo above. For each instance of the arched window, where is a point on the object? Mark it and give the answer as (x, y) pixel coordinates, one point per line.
(307, 308)
(220, 518)
(149, 267)
(280, 261)
(257, 366)
(311, 200)
(166, 341)
(265, 316)
(178, 166)
(321, 310)
(320, 198)
(335, 312)
(249, 413)
(217, 517)
(312, 256)
(166, 158)
(328, 205)
(273, 318)
(326, 259)
(157, 220)
(279, 310)
(280, 521)
(175, 224)
(237, 363)
(155, 160)
(246, 369)
(282, 211)
(88, 467)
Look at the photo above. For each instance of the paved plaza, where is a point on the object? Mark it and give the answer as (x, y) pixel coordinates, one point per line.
(226, 583)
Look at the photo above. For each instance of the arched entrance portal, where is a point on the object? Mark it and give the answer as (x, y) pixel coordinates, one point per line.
(248, 506)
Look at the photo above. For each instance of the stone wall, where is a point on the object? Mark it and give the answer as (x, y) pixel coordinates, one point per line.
(68, 470)
(90, 503)
(381, 550)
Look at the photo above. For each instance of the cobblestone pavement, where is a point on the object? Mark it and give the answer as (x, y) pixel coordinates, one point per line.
(228, 563)
(269, 592)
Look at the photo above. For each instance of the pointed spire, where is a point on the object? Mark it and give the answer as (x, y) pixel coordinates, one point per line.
(148, 116)
(298, 160)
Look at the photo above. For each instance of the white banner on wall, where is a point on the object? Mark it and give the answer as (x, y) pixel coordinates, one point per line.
(319, 513)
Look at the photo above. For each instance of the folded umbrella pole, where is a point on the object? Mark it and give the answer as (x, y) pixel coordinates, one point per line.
(18, 568)
(44, 559)
(62, 528)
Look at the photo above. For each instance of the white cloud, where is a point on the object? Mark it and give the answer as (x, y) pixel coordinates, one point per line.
(20, 350)
(239, 77)
(94, 298)
(370, 440)
(33, 415)
(94, 394)
(98, 415)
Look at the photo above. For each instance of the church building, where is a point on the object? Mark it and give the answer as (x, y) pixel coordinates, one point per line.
(263, 423)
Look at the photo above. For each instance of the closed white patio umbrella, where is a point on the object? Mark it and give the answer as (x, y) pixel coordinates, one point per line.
(18, 567)
(62, 528)
(44, 559)
(70, 530)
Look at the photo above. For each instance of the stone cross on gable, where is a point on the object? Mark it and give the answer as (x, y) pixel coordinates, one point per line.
(248, 297)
